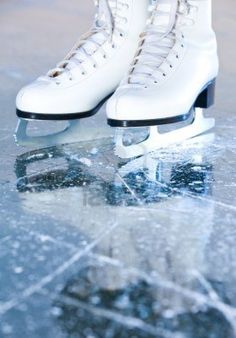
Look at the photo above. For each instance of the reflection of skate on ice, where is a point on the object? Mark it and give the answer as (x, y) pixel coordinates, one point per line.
(156, 178)
(89, 74)
(152, 178)
(171, 80)
(194, 152)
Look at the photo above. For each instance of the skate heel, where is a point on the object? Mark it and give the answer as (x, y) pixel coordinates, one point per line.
(207, 97)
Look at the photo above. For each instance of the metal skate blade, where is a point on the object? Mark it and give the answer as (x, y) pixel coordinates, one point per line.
(72, 133)
(157, 140)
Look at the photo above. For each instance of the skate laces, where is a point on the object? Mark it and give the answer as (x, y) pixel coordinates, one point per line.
(158, 40)
(107, 19)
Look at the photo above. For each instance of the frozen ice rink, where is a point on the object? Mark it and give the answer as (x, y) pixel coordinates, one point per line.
(95, 247)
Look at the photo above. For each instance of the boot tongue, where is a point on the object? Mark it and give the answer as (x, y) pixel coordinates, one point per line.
(162, 20)
(102, 23)
(98, 35)
(90, 47)
(164, 15)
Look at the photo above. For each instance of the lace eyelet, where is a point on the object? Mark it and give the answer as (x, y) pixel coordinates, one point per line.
(94, 66)
(155, 82)
(171, 66)
(104, 56)
(164, 74)
(83, 73)
(177, 56)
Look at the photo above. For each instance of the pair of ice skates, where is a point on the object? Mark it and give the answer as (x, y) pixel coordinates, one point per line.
(153, 67)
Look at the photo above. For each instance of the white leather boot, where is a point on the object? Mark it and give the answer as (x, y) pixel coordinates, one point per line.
(91, 72)
(174, 70)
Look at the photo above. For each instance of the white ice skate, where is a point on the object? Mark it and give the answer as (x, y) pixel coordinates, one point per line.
(85, 79)
(171, 80)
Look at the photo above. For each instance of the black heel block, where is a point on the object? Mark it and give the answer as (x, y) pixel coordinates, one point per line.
(207, 97)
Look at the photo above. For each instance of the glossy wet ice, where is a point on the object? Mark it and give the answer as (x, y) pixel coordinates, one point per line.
(92, 246)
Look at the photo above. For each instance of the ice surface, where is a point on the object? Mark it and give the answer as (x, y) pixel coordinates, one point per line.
(92, 246)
